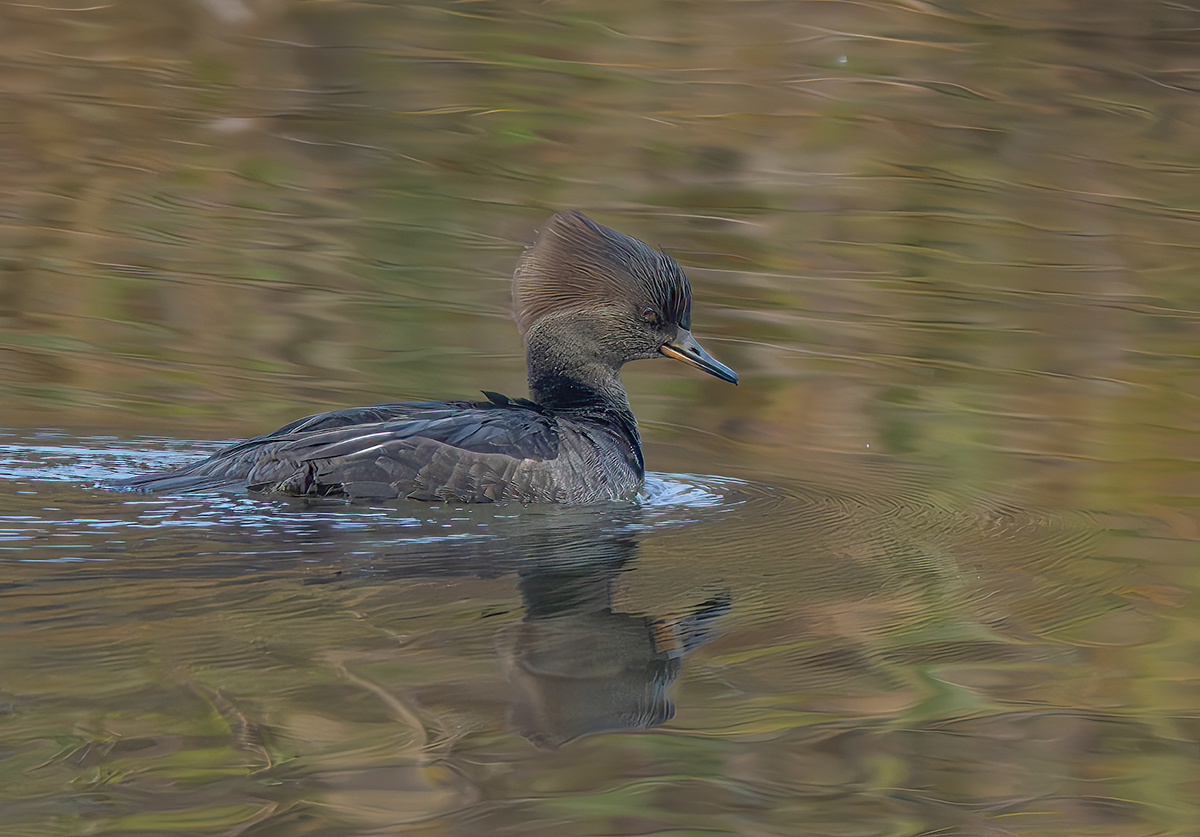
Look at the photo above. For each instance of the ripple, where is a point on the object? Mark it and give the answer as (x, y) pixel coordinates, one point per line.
(48, 456)
(885, 529)
(674, 490)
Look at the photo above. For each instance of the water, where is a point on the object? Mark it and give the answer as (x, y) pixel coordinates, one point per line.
(931, 568)
(780, 657)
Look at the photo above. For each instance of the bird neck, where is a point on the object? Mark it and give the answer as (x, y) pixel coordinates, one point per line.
(568, 370)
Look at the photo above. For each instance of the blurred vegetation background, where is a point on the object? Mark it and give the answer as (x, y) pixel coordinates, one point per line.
(950, 246)
(943, 231)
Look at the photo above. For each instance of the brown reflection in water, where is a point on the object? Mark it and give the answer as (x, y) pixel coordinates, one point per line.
(578, 667)
(886, 654)
(921, 241)
(963, 236)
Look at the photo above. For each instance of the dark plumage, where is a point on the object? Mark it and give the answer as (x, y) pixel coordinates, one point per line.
(587, 300)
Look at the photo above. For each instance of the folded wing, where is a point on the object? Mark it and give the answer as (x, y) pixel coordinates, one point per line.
(466, 451)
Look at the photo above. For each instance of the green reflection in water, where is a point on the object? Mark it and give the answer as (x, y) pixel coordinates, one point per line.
(951, 250)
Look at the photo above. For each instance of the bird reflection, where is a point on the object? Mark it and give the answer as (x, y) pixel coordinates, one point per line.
(577, 666)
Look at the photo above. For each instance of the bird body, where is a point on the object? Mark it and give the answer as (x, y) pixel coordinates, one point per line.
(587, 300)
(460, 451)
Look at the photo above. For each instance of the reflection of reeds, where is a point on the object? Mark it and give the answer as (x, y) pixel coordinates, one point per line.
(962, 243)
(951, 235)
(890, 649)
(879, 581)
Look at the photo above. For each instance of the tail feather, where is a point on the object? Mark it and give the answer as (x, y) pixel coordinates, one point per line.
(219, 471)
(172, 481)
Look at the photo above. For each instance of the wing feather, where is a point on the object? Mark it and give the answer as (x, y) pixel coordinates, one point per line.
(437, 450)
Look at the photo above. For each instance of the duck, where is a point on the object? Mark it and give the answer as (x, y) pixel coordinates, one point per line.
(586, 300)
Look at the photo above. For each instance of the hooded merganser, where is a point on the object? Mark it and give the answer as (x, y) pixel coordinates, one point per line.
(586, 299)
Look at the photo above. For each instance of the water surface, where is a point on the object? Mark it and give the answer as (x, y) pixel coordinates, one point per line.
(929, 569)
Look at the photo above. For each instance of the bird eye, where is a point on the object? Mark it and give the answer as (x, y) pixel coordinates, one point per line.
(651, 316)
